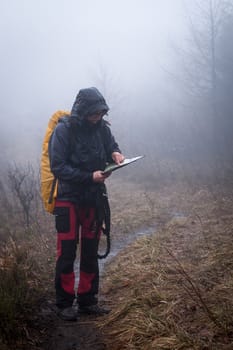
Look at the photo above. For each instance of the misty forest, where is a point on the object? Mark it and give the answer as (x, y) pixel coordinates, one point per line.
(165, 69)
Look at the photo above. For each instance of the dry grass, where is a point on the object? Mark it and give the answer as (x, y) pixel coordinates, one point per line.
(18, 292)
(25, 274)
(173, 290)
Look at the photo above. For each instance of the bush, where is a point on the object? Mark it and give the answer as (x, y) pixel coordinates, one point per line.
(16, 293)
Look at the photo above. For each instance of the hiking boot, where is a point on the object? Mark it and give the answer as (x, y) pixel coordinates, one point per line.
(92, 310)
(68, 314)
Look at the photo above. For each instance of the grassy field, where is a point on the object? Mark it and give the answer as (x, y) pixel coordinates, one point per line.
(173, 289)
(170, 289)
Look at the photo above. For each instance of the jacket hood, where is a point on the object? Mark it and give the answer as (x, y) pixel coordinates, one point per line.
(87, 102)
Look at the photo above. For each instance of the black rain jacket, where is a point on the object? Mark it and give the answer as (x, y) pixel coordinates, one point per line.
(77, 148)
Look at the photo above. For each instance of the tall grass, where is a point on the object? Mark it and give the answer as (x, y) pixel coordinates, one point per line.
(173, 290)
(24, 271)
(16, 297)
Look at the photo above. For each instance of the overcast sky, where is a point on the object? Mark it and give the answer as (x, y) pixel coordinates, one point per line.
(52, 48)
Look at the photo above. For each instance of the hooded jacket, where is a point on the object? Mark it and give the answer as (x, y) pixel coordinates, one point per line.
(78, 148)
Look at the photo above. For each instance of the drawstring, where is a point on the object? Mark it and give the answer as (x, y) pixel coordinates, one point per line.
(103, 218)
(107, 223)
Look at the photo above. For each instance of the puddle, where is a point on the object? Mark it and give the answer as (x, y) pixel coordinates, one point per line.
(116, 246)
(119, 244)
(178, 215)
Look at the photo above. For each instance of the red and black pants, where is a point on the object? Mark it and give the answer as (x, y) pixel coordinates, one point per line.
(73, 225)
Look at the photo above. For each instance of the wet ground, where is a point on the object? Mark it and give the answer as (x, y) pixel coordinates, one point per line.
(83, 334)
(57, 334)
(75, 336)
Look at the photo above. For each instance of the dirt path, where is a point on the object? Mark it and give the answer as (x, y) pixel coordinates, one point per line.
(63, 335)
(75, 336)
(83, 334)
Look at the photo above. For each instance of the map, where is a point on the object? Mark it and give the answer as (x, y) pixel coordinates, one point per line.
(127, 161)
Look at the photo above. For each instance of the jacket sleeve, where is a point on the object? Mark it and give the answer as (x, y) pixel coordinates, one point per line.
(59, 149)
(110, 144)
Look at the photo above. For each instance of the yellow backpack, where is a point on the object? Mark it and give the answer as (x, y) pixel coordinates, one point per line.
(48, 181)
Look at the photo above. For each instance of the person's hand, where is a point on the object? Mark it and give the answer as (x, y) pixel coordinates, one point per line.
(118, 157)
(99, 176)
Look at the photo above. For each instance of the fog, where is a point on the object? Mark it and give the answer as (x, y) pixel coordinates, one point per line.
(51, 49)
(140, 54)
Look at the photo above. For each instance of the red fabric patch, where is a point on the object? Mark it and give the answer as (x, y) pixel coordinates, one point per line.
(88, 223)
(85, 280)
(67, 282)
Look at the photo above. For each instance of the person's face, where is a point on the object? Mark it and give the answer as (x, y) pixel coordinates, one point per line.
(96, 117)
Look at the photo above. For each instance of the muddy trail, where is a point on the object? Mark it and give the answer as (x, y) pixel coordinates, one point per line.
(139, 273)
(57, 334)
(85, 333)
(82, 334)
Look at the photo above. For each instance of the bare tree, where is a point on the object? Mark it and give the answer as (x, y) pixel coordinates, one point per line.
(23, 184)
(106, 82)
(200, 73)
(200, 59)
